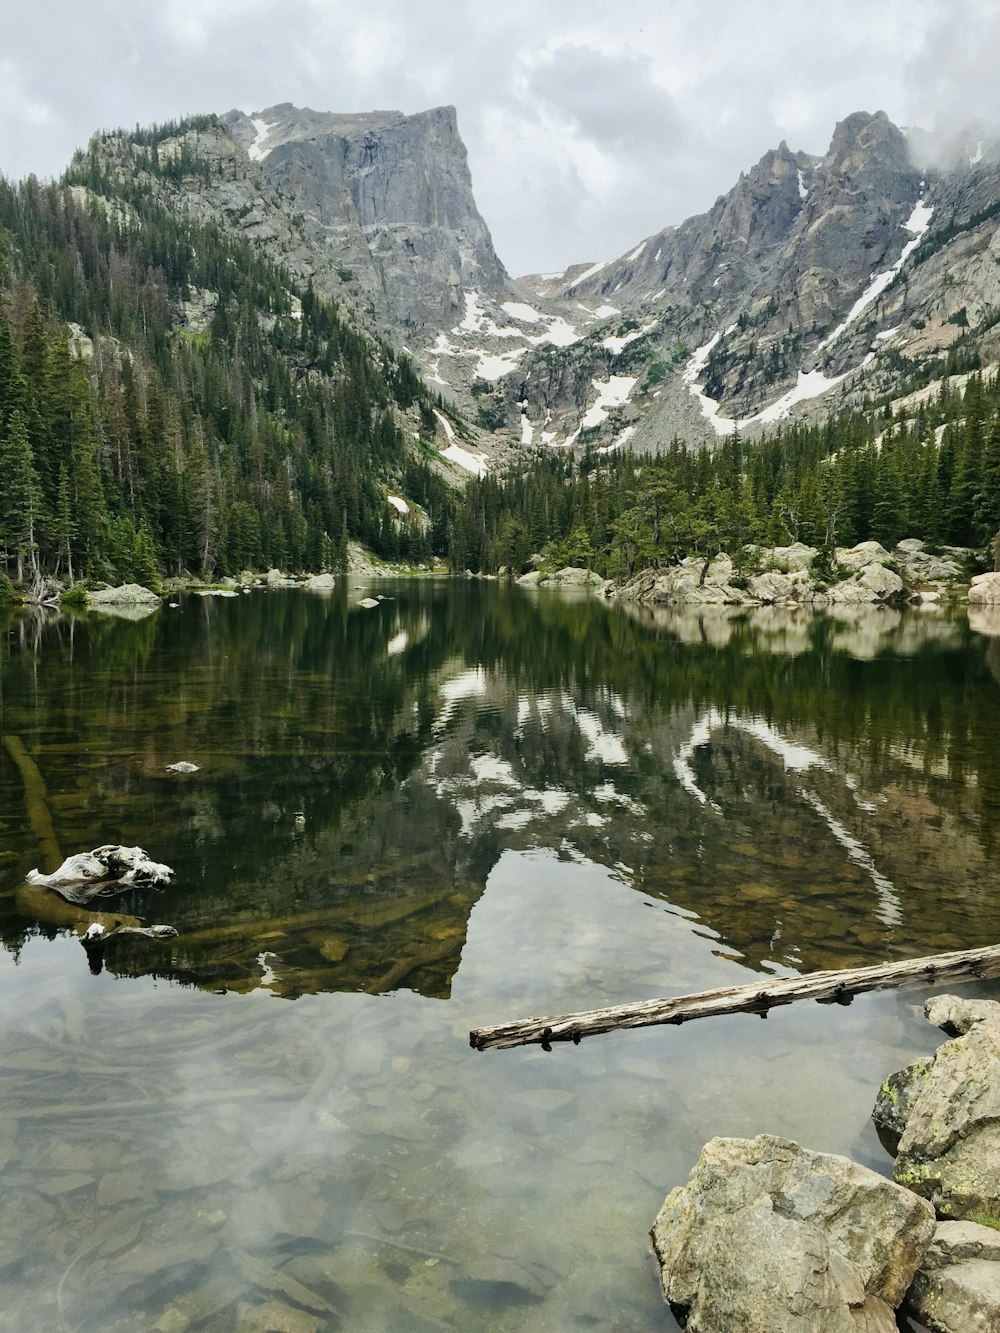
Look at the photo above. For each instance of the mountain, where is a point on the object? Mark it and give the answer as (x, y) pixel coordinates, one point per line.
(855, 271)
(815, 282)
(376, 209)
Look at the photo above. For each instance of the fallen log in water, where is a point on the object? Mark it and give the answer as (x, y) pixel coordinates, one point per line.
(838, 986)
(35, 799)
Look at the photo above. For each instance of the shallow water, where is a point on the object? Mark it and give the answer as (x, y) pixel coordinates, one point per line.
(467, 805)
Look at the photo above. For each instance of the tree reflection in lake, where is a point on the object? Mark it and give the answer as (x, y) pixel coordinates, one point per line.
(465, 805)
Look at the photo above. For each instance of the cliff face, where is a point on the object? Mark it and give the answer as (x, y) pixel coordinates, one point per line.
(388, 194)
(376, 209)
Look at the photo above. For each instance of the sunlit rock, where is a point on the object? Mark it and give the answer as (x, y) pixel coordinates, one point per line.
(770, 1237)
(948, 1115)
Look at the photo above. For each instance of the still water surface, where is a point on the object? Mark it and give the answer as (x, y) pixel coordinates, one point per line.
(468, 805)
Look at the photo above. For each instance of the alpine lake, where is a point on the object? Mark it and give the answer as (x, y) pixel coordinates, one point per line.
(467, 805)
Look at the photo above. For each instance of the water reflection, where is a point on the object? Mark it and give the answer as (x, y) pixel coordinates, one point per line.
(455, 808)
(800, 784)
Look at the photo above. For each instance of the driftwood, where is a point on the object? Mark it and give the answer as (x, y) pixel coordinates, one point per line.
(835, 986)
(106, 870)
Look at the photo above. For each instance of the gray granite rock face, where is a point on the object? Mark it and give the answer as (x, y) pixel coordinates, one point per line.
(382, 193)
(770, 1237)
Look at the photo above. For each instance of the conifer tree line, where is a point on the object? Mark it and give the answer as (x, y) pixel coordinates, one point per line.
(270, 435)
(932, 473)
(268, 438)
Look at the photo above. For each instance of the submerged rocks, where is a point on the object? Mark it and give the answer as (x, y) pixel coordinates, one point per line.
(768, 1236)
(947, 1114)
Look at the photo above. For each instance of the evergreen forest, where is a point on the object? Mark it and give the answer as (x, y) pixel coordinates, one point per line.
(138, 442)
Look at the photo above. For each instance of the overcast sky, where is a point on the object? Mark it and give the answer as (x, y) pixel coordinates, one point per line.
(589, 124)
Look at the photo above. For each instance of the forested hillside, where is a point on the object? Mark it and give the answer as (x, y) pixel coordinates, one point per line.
(930, 470)
(267, 433)
(172, 402)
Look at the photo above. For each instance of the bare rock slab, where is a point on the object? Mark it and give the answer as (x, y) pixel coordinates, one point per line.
(957, 1288)
(770, 1237)
(947, 1114)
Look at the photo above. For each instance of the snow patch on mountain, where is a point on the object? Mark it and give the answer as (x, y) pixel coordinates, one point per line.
(916, 224)
(258, 150)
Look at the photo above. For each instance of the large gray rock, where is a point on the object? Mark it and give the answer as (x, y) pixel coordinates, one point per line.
(948, 1115)
(875, 583)
(985, 590)
(773, 587)
(128, 594)
(862, 555)
(769, 1237)
(957, 1288)
(385, 195)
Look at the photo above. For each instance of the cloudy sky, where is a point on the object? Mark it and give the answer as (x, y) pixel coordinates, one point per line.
(589, 124)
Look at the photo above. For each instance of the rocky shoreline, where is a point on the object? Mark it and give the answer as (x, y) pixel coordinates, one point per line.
(803, 576)
(770, 1237)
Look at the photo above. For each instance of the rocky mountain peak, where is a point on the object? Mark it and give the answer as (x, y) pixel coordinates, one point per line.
(867, 142)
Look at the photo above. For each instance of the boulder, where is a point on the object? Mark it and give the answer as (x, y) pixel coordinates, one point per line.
(770, 1237)
(862, 555)
(875, 583)
(275, 579)
(957, 1287)
(128, 594)
(985, 590)
(774, 587)
(947, 1115)
(789, 559)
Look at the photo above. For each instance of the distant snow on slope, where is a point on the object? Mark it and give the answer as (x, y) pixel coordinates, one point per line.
(258, 149)
(474, 463)
(594, 269)
(612, 392)
(810, 384)
(916, 224)
(518, 310)
(618, 345)
(630, 259)
(803, 192)
(494, 365)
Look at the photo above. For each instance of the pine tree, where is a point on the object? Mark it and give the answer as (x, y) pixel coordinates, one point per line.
(19, 497)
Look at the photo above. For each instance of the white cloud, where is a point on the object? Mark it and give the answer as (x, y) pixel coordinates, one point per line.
(588, 126)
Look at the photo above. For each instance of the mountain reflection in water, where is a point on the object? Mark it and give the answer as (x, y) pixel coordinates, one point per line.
(802, 786)
(465, 805)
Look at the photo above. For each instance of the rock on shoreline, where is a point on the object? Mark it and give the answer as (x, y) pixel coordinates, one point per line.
(771, 1237)
(791, 576)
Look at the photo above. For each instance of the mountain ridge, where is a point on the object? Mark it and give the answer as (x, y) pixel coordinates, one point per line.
(805, 278)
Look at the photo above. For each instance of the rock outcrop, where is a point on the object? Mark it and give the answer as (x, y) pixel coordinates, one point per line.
(945, 1113)
(865, 574)
(985, 590)
(769, 1237)
(957, 1288)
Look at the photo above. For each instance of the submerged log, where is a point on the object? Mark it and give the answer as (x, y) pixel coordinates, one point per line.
(835, 986)
(35, 799)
